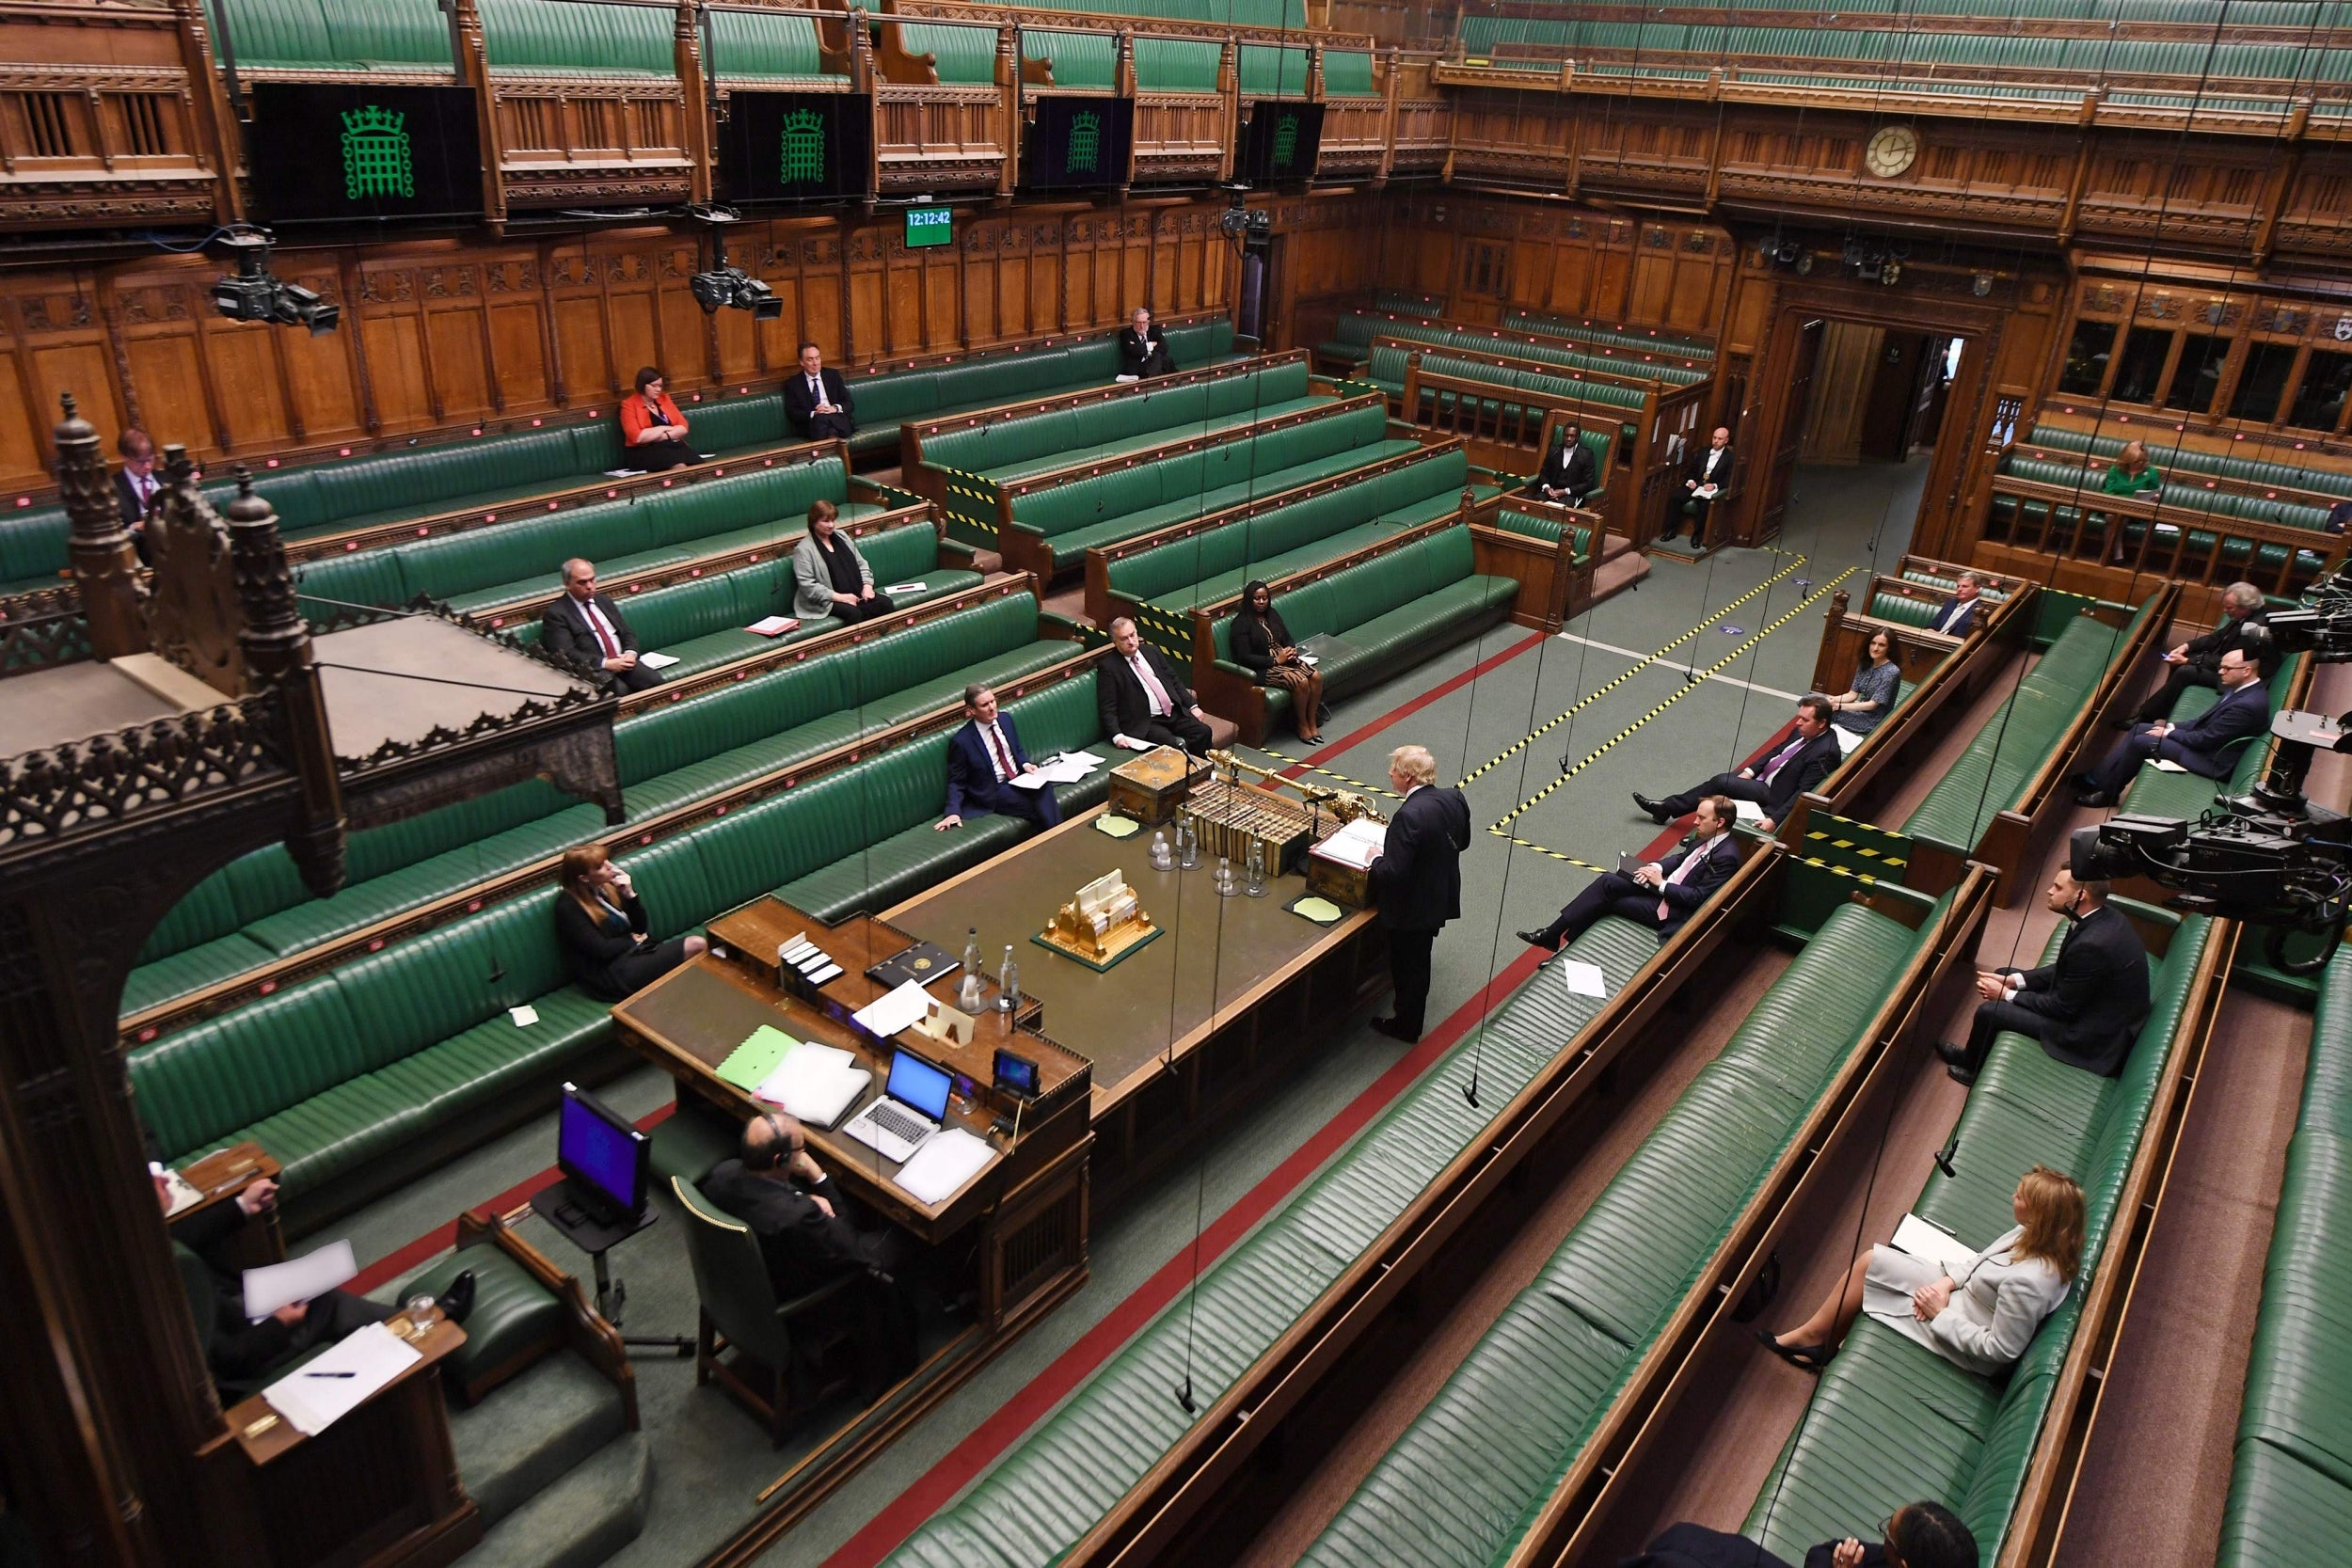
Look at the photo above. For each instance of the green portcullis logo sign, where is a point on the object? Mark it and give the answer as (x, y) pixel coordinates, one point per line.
(1085, 142)
(1285, 141)
(376, 156)
(803, 147)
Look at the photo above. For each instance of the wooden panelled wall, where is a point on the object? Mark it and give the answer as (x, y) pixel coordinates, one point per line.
(436, 334)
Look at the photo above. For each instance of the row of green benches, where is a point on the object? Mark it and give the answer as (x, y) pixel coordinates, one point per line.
(1651, 343)
(254, 912)
(1437, 406)
(1889, 1422)
(358, 1077)
(2174, 459)
(457, 473)
(2290, 1491)
(2187, 498)
(2243, 14)
(1352, 336)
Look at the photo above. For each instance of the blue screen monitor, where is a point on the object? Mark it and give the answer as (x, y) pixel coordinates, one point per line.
(920, 1084)
(603, 1155)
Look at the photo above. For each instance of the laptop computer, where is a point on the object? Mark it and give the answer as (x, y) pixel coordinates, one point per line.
(913, 1103)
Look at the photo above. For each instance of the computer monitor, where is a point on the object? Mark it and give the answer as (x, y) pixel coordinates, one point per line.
(1016, 1076)
(918, 1084)
(605, 1157)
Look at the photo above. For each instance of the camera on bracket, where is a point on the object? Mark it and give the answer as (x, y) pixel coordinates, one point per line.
(1239, 218)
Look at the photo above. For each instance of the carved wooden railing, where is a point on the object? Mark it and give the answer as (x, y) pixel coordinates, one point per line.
(2108, 543)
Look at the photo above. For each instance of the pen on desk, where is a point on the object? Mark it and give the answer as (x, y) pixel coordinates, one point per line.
(330, 1375)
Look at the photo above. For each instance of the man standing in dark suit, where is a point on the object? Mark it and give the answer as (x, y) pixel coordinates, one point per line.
(1662, 894)
(1786, 771)
(1142, 349)
(137, 485)
(807, 1236)
(2244, 625)
(817, 401)
(588, 625)
(2206, 745)
(1417, 881)
(1141, 701)
(1957, 615)
(1569, 474)
(983, 759)
(1709, 471)
(2086, 1008)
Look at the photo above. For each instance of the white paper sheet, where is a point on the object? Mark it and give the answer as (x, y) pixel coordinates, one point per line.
(323, 1391)
(314, 1273)
(1068, 768)
(524, 1016)
(1748, 810)
(1356, 844)
(908, 588)
(946, 1161)
(2166, 765)
(1583, 979)
(1932, 1242)
(184, 1194)
(893, 1010)
(657, 662)
(816, 1082)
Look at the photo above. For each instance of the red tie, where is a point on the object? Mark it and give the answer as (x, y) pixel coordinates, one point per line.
(1160, 707)
(1004, 756)
(604, 635)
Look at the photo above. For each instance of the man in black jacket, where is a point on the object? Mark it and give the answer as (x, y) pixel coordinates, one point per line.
(1416, 881)
(1786, 771)
(808, 1236)
(1142, 349)
(1569, 474)
(2198, 661)
(137, 485)
(238, 1350)
(589, 627)
(2086, 1008)
(1709, 471)
(1141, 699)
(2208, 745)
(817, 401)
(1662, 895)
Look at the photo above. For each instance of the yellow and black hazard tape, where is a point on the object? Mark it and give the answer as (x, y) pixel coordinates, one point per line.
(1681, 693)
(1332, 773)
(1840, 870)
(1535, 735)
(1529, 844)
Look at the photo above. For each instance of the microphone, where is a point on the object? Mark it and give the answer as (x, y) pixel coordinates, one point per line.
(1183, 1397)
(1470, 1090)
(1944, 1155)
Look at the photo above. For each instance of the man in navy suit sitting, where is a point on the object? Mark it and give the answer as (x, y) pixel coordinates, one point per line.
(983, 759)
(2205, 745)
(1662, 895)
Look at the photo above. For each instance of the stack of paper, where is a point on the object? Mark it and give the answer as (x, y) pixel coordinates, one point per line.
(907, 588)
(749, 1064)
(893, 1010)
(1068, 768)
(323, 1391)
(1930, 1243)
(303, 1278)
(816, 1082)
(657, 662)
(774, 626)
(946, 1161)
(1358, 844)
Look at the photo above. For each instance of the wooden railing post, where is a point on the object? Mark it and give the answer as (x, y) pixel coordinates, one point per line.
(474, 71)
(692, 74)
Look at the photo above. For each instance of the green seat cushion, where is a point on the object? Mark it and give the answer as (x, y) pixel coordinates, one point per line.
(513, 1315)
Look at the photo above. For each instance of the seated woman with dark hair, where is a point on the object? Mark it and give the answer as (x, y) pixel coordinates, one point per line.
(653, 432)
(1979, 1314)
(1919, 1535)
(1858, 711)
(601, 924)
(1263, 642)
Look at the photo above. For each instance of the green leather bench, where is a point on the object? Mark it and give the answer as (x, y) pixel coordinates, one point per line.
(2195, 498)
(255, 911)
(2054, 524)
(2155, 793)
(2291, 1492)
(353, 1078)
(1073, 1469)
(700, 622)
(1362, 326)
(1387, 368)
(1990, 593)
(505, 562)
(1624, 343)
(1119, 503)
(2103, 448)
(463, 472)
(1013, 449)
(1287, 15)
(1891, 1422)
(1461, 1484)
(1389, 613)
(1170, 578)
(1992, 775)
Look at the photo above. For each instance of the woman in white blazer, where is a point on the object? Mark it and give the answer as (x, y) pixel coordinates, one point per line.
(829, 573)
(1981, 1314)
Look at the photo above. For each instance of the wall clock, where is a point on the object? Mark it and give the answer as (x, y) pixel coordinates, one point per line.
(1891, 151)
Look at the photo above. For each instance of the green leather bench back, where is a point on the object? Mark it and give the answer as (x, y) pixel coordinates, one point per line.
(751, 46)
(1584, 332)
(526, 36)
(960, 55)
(2191, 498)
(2188, 459)
(1458, 1487)
(1347, 73)
(1066, 1475)
(1176, 65)
(1362, 326)
(1078, 59)
(1906, 612)
(2024, 1110)
(1134, 416)
(299, 34)
(2290, 1491)
(2187, 795)
(1269, 71)
(1347, 598)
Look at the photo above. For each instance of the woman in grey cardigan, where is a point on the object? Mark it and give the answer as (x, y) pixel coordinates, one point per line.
(1981, 1312)
(829, 576)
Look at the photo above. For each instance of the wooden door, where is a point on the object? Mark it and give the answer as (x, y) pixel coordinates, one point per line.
(1771, 500)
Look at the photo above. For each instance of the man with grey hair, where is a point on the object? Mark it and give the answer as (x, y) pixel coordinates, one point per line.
(1957, 616)
(1143, 700)
(1417, 881)
(588, 627)
(984, 758)
(2245, 625)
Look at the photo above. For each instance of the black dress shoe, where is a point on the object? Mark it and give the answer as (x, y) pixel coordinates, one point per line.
(1950, 1055)
(1959, 1075)
(1539, 938)
(2098, 800)
(1651, 809)
(1394, 1030)
(458, 1299)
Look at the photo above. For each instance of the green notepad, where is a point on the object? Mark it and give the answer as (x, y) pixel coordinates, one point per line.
(748, 1064)
(1116, 826)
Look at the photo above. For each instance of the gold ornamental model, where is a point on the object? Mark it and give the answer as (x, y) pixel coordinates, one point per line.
(1101, 926)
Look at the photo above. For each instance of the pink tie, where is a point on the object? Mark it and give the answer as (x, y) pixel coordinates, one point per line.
(1153, 688)
(1664, 911)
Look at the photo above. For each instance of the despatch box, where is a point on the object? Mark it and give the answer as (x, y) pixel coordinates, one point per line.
(1150, 785)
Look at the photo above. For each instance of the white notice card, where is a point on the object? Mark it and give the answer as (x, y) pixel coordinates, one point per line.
(1583, 979)
(657, 662)
(303, 1278)
(328, 1387)
(893, 1010)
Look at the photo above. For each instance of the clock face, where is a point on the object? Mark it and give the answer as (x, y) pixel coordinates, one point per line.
(1891, 151)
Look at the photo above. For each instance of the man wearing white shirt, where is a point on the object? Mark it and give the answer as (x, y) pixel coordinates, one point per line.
(1660, 895)
(1710, 477)
(1140, 700)
(137, 486)
(983, 759)
(817, 401)
(589, 627)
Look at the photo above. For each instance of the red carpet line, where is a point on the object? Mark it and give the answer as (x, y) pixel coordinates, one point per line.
(1443, 688)
(394, 1264)
(930, 1493)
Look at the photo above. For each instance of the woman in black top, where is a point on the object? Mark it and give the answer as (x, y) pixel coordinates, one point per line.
(601, 924)
(1263, 642)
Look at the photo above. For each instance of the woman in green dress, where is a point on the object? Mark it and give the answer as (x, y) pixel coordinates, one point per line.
(2131, 473)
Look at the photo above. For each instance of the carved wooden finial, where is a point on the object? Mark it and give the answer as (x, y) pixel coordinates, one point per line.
(274, 627)
(104, 561)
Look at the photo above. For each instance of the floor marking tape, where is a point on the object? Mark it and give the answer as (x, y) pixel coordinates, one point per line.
(1736, 653)
(1688, 672)
(1535, 735)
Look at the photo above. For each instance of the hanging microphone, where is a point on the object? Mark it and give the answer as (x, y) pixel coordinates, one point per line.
(1183, 1397)
(1944, 1155)
(1470, 1090)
